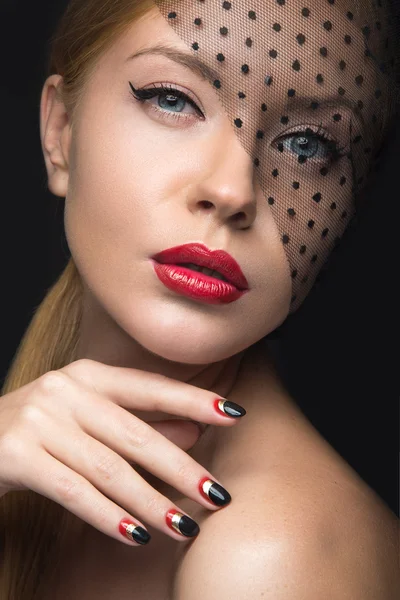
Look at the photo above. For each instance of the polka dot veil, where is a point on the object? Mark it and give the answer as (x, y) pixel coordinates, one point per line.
(308, 89)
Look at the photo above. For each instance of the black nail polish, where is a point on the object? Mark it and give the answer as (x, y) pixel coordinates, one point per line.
(229, 408)
(134, 532)
(141, 536)
(182, 523)
(213, 491)
(188, 527)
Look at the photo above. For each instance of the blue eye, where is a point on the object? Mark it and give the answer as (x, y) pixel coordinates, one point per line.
(311, 144)
(306, 144)
(173, 98)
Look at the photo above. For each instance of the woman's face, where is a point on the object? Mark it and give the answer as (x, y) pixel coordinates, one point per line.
(140, 178)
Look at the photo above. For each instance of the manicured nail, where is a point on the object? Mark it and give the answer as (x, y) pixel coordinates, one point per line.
(229, 409)
(211, 490)
(134, 533)
(182, 523)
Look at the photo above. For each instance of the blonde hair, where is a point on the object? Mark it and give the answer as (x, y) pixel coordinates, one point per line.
(33, 528)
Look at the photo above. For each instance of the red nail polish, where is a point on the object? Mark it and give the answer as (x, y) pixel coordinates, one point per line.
(134, 532)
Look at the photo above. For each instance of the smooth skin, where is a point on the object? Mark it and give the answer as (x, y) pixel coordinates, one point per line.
(135, 184)
(75, 425)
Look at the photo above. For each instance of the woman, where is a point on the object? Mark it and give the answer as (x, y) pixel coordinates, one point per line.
(144, 170)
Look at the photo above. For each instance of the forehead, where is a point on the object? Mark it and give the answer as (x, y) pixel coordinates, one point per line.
(313, 47)
(296, 40)
(318, 20)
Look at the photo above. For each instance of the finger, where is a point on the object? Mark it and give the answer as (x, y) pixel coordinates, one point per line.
(105, 471)
(136, 441)
(53, 479)
(140, 390)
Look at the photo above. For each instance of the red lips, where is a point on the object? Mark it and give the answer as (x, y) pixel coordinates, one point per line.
(198, 254)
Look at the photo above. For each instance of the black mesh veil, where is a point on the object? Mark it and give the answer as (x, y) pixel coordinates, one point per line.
(319, 73)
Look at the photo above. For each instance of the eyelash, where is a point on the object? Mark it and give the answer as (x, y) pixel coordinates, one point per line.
(335, 151)
(144, 94)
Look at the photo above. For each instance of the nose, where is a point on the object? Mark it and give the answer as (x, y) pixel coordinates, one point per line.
(229, 187)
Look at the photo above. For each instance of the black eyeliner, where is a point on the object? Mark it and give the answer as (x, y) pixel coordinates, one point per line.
(142, 94)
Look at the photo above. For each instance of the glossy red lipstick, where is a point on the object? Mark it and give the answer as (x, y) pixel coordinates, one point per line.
(197, 285)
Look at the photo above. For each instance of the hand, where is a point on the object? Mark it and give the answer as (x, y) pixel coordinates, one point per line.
(69, 436)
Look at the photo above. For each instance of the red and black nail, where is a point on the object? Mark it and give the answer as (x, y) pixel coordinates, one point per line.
(230, 409)
(134, 533)
(182, 523)
(211, 490)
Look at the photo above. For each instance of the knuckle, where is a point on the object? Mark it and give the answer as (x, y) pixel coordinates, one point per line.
(11, 447)
(108, 467)
(52, 382)
(31, 415)
(137, 434)
(81, 371)
(67, 489)
(79, 367)
(153, 504)
(186, 474)
(102, 513)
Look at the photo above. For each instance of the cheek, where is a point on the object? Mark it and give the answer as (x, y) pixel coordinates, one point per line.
(271, 281)
(313, 214)
(109, 187)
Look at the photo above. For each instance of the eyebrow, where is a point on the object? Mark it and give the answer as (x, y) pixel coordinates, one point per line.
(333, 101)
(322, 101)
(182, 58)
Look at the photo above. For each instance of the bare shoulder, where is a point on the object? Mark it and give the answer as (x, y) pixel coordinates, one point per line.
(302, 524)
(280, 540)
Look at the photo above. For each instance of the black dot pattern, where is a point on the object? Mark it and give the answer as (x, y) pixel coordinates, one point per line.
(312, 158)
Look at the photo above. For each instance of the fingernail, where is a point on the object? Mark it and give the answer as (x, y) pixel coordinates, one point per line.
(211, 490)
(182, 523)
(229, 409)
(134, 532)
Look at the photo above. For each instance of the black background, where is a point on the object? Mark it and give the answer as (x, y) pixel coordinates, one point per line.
(337, 353)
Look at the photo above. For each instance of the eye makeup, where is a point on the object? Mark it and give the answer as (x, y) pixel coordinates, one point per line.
(305, 138)
(167, 91)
